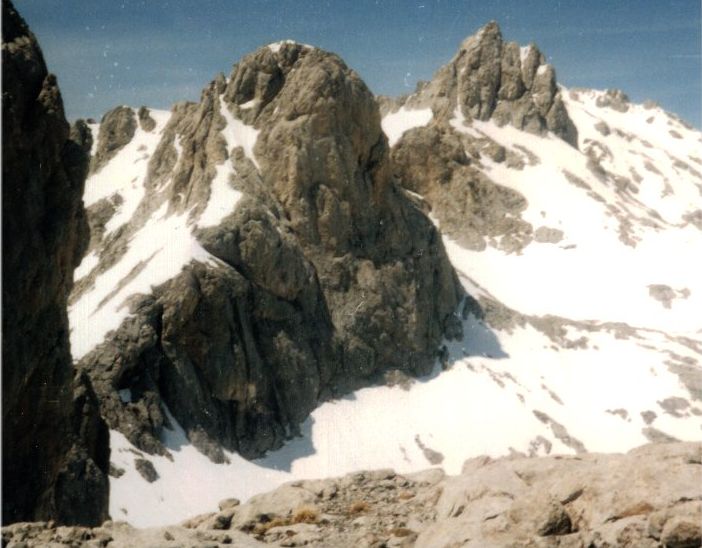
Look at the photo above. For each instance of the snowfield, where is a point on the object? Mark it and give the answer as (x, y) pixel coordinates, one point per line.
(160, 249)
(512, 392)
(591, 273)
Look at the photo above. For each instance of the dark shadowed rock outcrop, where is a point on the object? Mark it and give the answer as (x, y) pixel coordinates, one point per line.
(325, 275)
(55, 448)
(436, 162)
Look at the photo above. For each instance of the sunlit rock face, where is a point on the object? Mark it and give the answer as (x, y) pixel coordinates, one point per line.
(490, 78)
(251, 257)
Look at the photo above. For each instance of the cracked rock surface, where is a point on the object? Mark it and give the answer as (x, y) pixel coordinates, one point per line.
(649, 497)
(55, 447)
(326, 274)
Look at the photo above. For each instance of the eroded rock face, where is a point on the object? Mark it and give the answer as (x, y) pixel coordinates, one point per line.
(434, 162)
(326, 274)
(489, 78)
(116, 130)
(590, 500)
(55, 452)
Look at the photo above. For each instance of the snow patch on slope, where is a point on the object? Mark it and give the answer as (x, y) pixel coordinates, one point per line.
(249, 104)
(125, 174)
(188, 485)
(87, 264)
(395, 124)
(238, 134)
(275, 46)
(156, 253)
(524, 53)
(591, 273)
(94, 132)
(223, 197)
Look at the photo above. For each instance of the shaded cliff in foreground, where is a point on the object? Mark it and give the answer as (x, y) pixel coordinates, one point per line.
(55, 446)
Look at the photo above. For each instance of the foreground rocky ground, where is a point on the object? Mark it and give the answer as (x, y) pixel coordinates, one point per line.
(651, 496)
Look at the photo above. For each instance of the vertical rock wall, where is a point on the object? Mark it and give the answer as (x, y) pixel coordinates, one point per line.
(55, 446)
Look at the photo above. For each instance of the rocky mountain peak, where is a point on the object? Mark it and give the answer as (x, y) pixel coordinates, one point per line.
(259, 76)
(294, 92)
(271, 206)
(118, 127)
(490, 78)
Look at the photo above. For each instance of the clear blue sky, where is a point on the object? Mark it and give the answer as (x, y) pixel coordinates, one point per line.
(156, 52)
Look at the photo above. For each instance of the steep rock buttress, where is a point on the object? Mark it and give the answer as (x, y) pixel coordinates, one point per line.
(314, 273)
(55, 447)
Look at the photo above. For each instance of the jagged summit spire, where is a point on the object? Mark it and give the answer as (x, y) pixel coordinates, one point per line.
(489, 31)
(490, 78)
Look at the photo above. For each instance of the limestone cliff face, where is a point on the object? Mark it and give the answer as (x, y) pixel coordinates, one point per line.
(325, 274)
(55, 452)
(490, 78)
